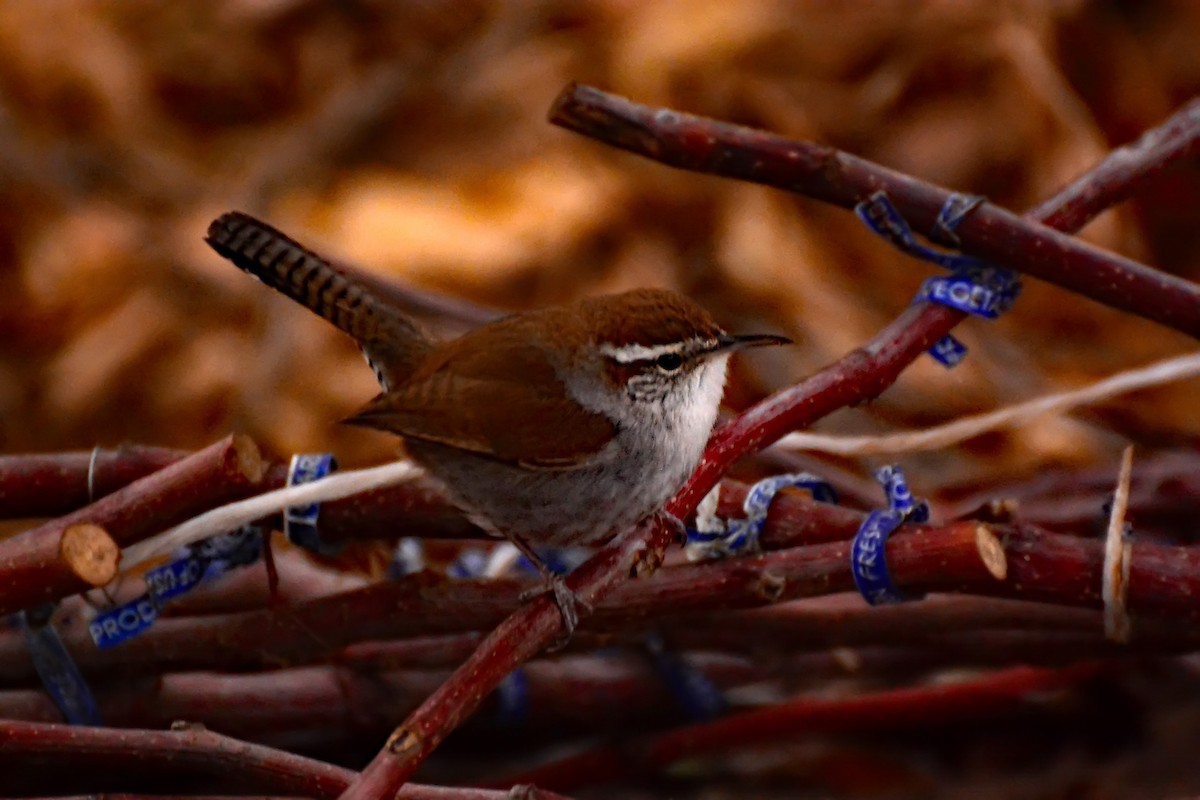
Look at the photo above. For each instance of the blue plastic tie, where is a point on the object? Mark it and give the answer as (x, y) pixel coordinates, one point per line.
(59, 673)
(300, 522)
(469, 564)
(512, 699)
(948, 351)
(738, 535)
(974, 286)
(197, 563)
(695, 694)
(868, 561)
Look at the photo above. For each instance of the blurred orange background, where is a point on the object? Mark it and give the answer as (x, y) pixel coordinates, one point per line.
(410, 139)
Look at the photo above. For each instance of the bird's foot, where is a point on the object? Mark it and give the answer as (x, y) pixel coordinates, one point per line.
(569, 605)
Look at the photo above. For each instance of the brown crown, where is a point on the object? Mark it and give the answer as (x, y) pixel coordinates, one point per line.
(644, 316)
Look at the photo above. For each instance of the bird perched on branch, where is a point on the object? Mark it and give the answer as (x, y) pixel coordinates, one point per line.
(558, 426)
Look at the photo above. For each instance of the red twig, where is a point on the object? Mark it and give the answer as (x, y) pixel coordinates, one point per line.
(323, 704)
(44, 757)
(53, 484)
(1125, 168)
(36, 566)
(824, 173)
(876, 711)
(37, 757)
(1019, 561)
(1162, 498)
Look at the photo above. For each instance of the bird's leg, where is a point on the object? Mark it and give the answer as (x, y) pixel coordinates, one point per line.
(569, 604)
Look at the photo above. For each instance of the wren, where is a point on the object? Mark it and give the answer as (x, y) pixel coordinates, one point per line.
(558, 426)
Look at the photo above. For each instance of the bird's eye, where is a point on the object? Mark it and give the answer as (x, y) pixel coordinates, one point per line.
(669, 362)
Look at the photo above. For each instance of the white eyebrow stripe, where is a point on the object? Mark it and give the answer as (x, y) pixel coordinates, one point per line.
(629, 353)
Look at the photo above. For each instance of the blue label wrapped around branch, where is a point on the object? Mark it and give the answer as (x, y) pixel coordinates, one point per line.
(870, 569)
(300, 522)
(868, 559)
(975, 287)
(118, 624)
(738, 535)
(203, 561)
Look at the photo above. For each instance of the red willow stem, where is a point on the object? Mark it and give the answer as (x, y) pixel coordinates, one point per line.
(424, 604)
(1018, 561)
(34, 565)
(328, 704)
(52, 484)
(824, 173)
(859, 376)
(864, 713)
(37, 757)
(1118, 176)
(1161, 497)
(129, 796)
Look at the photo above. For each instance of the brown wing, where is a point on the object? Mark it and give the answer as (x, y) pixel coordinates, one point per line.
(498, 397)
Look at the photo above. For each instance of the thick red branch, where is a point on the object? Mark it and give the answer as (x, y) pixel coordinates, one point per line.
(36, 566)
(1018, 561)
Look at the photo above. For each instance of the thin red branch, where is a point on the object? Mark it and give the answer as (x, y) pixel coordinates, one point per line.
(1125, 168)
(37, 757)
(324, 704)
(55, 484)
(806, 716)
(825, 173)
(44, 757)
(52, 484)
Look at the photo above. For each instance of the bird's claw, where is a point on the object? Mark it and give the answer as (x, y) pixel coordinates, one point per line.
(569, 605)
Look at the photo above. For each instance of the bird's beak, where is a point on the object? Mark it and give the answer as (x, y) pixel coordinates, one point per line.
(727, 343)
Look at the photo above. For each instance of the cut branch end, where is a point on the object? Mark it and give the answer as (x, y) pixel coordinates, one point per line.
(90, 553)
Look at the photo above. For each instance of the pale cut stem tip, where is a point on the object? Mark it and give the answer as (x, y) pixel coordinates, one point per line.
(89, 552)
(1117, 557)
(991, 552)
(249, 458)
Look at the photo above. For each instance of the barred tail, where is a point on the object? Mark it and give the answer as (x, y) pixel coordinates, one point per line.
(392, 343)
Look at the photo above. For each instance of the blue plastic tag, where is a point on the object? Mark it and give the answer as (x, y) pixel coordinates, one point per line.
(956, 208)
(975, 287)
(694, 692)
(469, 564)
(879, 214)
(869, 566)
(59, 673)
(741, 534)
(300, 522)
(123, 622)
(948, 351)
(963, 293)
(407, 558)
(172, 580)
(512, 699)
(200, 562)
(868, 563)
